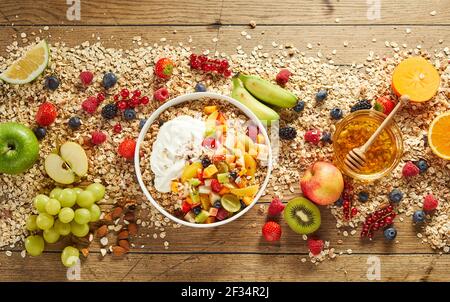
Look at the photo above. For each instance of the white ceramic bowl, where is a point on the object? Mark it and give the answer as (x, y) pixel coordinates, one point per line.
(187, 98)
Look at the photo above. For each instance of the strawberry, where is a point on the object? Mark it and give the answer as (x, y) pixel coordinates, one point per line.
(164, 68)
(283, 77)
(46, 114)
(410, 169)
(98, 137)
(216, 186)
(430, 203)
(315, 246)
(275, 207)
(185, 207)
(271, 231)
(384, 104)
(126, 148)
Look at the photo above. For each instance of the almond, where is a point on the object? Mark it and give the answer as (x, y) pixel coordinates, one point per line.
(118, 251)
(125, 244)
(116, 213)
(102, 231)
(123, 235)
(85, 252)
(129, 216)
(108, 217)
(133, 229)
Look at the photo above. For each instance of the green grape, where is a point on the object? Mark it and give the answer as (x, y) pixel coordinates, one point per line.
(82, 216)
(31, 223)
(66, 215)
(34, 245)
(55, 193)
(95, 213)
(68, 197)
(77, 190)
(53, 207)
(97, 189)
(85, 199)
(40, 201)
(62, 228)
(79, 230)
(44, 221)
(70, 256)
(51, 235)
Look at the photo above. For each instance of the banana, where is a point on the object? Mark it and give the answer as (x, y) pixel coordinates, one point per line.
(264, 113)
(268, 92)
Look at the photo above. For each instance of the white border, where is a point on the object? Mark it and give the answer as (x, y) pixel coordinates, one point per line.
(187, 98)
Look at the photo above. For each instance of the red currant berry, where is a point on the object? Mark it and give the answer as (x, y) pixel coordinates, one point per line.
(388, 220)
(122, 105)
(144, 100)
(227, 73)
(100, 97)
(117, 128)
(116, 97)
(134, 102)
(390, 208)
(354, 212)
(124, 93)
(137, 93)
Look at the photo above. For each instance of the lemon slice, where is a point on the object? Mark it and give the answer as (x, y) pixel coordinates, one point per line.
(29, 67)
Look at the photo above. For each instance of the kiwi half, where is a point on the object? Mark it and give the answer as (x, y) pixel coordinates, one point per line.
(302, 215)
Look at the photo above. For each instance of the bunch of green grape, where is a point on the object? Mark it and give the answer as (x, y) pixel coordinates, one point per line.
(63, 212)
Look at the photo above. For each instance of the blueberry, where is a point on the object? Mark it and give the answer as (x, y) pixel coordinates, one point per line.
(217, 204)
(197, 210)
(326, 137)
(422, 165)
(390, 233)
(51, 82)
(395, 196)
(129, 114)
(142, 123)
(233, 174)
(109, 80)
(299, 107)
(205, 162)
(74, 122)
(200, 87)
(40, 132)
(418, 216)
(321, 95)
(363, 196)
(243, 205)
(336, 113)
(339, 202)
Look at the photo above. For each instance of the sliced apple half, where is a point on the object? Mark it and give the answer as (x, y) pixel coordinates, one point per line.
(66, 166)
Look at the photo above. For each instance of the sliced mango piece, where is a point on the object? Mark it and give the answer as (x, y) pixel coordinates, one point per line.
(250, 165)
(210, 171)
(247, 200)
(190, 171)
(249, 191)
(210, 109)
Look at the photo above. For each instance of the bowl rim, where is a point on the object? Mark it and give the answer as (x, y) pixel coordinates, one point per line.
(188, 98)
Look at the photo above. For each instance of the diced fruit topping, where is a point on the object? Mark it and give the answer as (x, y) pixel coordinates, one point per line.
(283, 77)
(206, 162)
(86, 78)
(249, 191)
(209, 171)
(410, 170)
(313, 136)
(164, 68)
(109, 111)
(190, 171)
(287, 133)
(127, 148)
(216, 186)
(51, 82)
(384, 104)
(46, 114)
(98, 137)
(315, 246)
(276, 207)
(430, 203)
(222, 214)
(161, 95)
(271, 231)
(360, 105)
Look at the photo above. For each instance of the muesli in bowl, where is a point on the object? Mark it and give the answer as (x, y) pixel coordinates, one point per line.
(203, 159)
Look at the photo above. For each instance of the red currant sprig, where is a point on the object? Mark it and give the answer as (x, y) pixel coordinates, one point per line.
(377, 220)
(203, 63)
(126, 99)
(349, 210)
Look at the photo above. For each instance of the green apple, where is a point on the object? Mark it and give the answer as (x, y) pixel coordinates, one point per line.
(19, 148)
(71, 162)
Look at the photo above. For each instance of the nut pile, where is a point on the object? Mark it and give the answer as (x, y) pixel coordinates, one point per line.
(344, 85)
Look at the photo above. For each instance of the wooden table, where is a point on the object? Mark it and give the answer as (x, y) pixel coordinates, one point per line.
(237, 252)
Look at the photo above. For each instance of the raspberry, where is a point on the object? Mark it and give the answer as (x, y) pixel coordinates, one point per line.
(90, 104)
(271, 231)
(98, 137)
(430, 203)
(216, 186)
(275, 207)
(117, 128)
(315, 246)
(283, 77)
(126, 148)
(86, 78)
(161, 95)
(46, 114)
(313, 136)
(410, 169)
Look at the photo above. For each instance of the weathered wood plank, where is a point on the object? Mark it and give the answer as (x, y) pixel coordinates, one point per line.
(227, 267)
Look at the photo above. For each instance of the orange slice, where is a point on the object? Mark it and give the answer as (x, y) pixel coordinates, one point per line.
(417, 78)
(439, 137)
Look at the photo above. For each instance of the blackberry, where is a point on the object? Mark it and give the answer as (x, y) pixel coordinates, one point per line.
(299, 107)
(129, 114)
(51, 82)
(362, 104)
(288, 133)
(326, 138)
(205, 162)
(74, 122)
(336, 113)
(109, 111)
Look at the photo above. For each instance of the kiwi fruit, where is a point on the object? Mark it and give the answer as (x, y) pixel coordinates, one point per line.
(302, 215)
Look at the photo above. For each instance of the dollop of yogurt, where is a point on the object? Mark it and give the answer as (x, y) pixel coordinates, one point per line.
(178, 140)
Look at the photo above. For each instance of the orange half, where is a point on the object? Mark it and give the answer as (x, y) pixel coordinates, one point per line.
(439, 136)
(417, 78)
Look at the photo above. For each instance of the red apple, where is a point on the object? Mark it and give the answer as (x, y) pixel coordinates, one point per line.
(322, 183)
